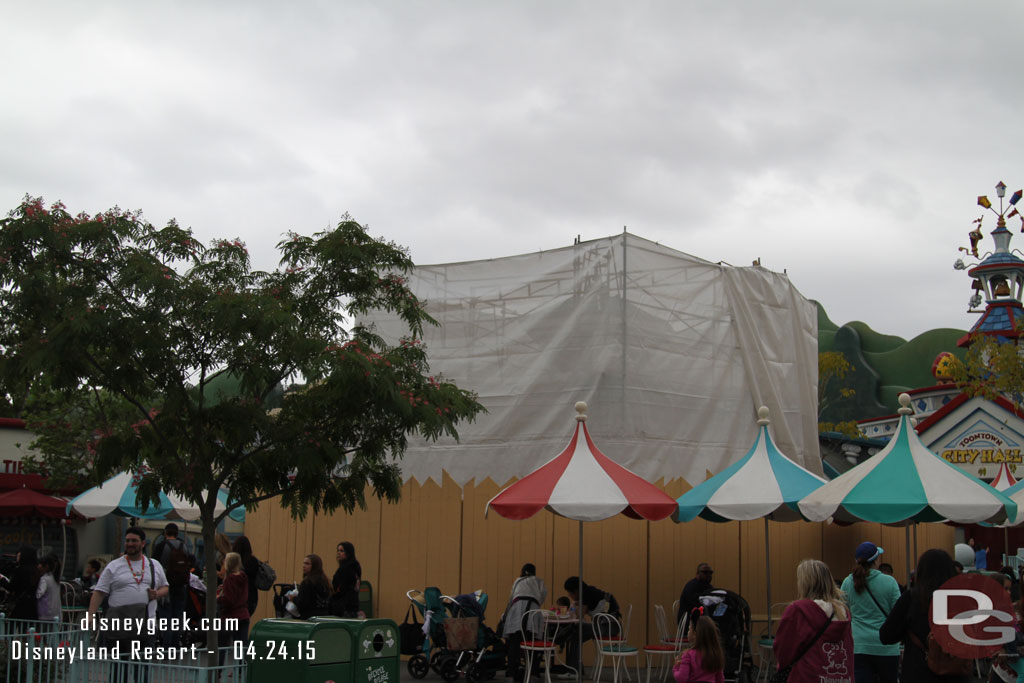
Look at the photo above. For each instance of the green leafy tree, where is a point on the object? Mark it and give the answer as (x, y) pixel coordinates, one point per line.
(115, 336)
(993, 369)
(833, 368)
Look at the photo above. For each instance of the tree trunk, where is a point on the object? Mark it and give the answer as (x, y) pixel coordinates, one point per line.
(210, 578)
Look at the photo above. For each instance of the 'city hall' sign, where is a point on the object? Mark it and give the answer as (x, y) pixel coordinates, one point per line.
(981, 450)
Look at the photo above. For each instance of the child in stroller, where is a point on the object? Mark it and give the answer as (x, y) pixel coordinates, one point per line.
(457, 642)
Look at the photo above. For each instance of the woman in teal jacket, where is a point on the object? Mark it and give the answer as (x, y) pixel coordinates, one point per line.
(871, 596)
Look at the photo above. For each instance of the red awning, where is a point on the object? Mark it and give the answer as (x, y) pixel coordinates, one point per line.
(29, 503)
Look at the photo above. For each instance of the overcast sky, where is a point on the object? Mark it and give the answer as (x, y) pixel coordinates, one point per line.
(845, 143)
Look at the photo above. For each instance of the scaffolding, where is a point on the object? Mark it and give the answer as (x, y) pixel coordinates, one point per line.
(673, 354)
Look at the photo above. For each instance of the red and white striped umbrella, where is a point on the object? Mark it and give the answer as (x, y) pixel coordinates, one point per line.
(582, 483)
(1004, 478)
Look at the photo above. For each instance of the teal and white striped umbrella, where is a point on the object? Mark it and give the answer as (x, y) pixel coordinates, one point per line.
(119, 495)
(763, 483)
(1016, 494)
(906, 482)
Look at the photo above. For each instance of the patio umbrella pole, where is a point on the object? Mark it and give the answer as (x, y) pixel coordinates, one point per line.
(906, 530)
(768, 571)
(579, 610)
(915, 542)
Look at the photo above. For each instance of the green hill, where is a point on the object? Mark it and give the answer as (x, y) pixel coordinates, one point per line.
(884, 365)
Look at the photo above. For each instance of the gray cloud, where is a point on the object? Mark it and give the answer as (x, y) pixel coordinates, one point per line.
(843, 143)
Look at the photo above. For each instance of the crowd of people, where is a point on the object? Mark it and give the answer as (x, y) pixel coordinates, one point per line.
(137, 585)
(844, 632)
(848, 631)
(141, 585)
(853, 633)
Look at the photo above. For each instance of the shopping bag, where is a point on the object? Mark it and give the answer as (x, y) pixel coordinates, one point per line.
(460, 632)
(411, 634)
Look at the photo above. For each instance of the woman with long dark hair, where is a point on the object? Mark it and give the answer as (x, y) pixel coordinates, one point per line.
(346, 582)
(871, 596)
(22, 584)
(908, 621)
(314, 595)
(251, 567)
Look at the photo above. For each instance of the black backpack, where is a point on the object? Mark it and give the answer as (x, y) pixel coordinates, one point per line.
(265, 577)
(177, 563)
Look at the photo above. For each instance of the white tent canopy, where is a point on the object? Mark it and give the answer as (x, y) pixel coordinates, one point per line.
(673, 354)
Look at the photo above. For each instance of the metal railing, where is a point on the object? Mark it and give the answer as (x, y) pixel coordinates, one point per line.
(24, 646)
(50, 651)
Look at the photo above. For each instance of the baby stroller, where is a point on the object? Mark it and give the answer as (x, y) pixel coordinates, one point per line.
(430, 605)
(195, 609)
(731, 613)
(487, 656)
(478, 654)
(281, 600)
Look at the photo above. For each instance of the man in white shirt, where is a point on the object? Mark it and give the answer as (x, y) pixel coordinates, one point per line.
(132, 584)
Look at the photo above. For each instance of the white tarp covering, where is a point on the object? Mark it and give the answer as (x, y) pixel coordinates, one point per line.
(673, 355)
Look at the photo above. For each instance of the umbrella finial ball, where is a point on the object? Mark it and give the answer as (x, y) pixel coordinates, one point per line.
(762, 416)
(905, 408)
(581, 408)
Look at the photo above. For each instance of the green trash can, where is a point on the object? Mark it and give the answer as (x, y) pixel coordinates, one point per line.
(299, 651)
(375, 648)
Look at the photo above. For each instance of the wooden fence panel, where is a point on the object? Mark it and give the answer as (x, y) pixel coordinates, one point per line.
(420, 543)
(675, 551)
(495, 549)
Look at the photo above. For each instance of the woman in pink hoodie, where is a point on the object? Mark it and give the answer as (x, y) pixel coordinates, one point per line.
(814, 634)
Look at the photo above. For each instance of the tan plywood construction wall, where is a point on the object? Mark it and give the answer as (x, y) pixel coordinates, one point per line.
(437, 535)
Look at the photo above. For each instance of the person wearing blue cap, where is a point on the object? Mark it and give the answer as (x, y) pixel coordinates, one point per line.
(871, 596)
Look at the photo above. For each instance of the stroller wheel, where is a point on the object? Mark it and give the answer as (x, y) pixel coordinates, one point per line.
(437, 659)
(476, 673)
(449, 670)
(418, 666)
